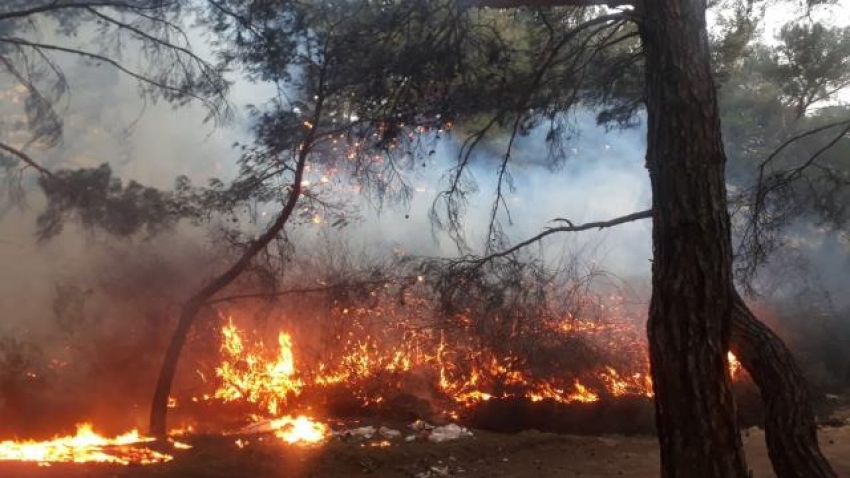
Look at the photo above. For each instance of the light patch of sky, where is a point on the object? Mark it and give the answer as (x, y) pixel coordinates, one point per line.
(774, 14)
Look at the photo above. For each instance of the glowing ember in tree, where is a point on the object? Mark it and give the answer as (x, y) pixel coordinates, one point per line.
(84, 447)
(734, 365)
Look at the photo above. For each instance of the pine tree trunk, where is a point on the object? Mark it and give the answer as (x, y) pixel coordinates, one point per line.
(790, 428)
(691, 306)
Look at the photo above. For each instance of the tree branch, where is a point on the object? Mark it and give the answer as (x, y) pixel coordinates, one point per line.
(27, 159)
(798, 137)
(59, 5)
(116, 64)
(307, 290)
(549, 3)
(598, 225)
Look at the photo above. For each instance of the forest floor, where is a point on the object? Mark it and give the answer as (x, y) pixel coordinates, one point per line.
(528, 454)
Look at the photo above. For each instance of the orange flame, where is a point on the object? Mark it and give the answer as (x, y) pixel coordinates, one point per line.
(84, 447)
(466, 375)
(300, 430)
(248, 375)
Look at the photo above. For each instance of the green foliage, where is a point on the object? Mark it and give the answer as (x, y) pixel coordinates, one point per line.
(98, 200)
(372, 84)
(787, 164)
(142, 39)
(811, 63)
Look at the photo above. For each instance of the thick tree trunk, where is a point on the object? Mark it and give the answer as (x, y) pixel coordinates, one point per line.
(691, 306)
(790, 427)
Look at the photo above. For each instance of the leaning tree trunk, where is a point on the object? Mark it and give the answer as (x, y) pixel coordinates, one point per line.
(790, 428)
(190, 310)
(691, 306)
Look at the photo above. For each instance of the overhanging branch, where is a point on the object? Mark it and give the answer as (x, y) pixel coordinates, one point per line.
(111, 61)
(549, 3)
(59, 5)
(27, 159)
(598, 225)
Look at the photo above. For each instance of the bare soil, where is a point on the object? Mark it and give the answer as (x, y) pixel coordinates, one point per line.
(528, 454)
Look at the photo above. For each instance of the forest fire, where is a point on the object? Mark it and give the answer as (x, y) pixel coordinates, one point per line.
(276, 387)
(86, 446)
(273, 379)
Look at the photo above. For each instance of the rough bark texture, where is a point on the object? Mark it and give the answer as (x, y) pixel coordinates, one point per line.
(693, 293)
(691, 306)
(789, 427)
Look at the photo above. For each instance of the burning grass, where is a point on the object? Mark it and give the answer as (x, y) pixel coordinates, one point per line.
(503, 359)
(455, 382)
(86, 446)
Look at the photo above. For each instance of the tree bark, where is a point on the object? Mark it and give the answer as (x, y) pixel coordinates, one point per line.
(691, 306)
(790, 428)
(693, 296)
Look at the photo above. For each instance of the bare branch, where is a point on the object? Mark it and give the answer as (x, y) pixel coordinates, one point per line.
(785, 177)
(550, 3)
(308, 290)
(450, 195)
(798, 137)
(598, 225)
(60, 5)
(27, 159)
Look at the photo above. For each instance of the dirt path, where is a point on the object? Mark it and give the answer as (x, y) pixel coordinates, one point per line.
(526, 455)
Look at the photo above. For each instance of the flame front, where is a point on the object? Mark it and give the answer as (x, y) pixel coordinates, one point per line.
(84, 447)
(270, 379)
(273, 380)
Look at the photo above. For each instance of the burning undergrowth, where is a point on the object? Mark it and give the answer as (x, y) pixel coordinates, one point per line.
(503, 348)
(407, 348)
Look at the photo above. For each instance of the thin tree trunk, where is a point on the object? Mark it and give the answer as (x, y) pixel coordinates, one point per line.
(159, 404)
(190, 310)
(790, 428)
(691, 306)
